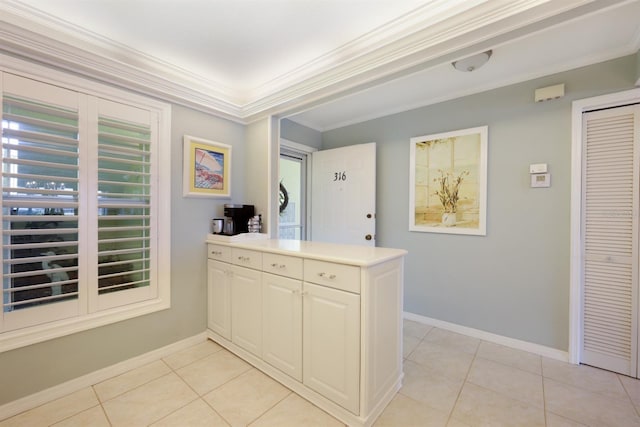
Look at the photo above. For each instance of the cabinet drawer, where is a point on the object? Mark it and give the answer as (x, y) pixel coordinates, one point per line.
(282, 265)
(246, 258)
(219, 252)
(338, 276)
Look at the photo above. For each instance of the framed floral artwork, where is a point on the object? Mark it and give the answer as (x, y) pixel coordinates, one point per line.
(206, 168)
(448, 182)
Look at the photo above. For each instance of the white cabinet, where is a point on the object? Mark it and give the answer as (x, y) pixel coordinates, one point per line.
(325, 320)
(282, 313)
(282, 324)
(246, 309)
(235, 296)
(332, 344)
(219, 290)
(219, 298)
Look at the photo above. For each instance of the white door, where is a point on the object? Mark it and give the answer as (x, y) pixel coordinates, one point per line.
(331, 344)
(343, 195)
(610, 235)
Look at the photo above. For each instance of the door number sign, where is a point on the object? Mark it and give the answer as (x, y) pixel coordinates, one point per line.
(340, 176)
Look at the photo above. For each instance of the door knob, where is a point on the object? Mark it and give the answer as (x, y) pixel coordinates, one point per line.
(368, 237)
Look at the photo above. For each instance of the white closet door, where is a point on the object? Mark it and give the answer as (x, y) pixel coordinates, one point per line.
(610, 232)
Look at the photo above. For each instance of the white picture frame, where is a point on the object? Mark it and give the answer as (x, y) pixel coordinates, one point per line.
(448, 182)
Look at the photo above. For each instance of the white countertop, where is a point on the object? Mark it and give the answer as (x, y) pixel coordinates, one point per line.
(344, 254)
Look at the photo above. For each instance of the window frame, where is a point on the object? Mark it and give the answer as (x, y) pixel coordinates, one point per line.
(88, 320)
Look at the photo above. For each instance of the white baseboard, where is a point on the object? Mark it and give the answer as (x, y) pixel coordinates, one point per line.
(494, 338)
(29, 402)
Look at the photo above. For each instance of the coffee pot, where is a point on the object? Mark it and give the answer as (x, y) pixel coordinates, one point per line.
(237, 220)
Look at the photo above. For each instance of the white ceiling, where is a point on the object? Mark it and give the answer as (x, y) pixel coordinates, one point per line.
(323, 63)
(587, 40)
(241, 44)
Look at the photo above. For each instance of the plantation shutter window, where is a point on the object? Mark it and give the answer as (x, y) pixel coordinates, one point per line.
(124, 194)
(84, 240)
(40, 200)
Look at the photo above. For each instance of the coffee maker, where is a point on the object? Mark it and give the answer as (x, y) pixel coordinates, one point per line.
(237, 218)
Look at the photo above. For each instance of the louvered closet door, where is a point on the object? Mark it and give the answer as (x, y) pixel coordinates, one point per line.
(610, 236)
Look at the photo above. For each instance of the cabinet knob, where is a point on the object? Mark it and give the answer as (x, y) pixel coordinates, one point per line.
(327, 276)
(276, 265)
(368, 237)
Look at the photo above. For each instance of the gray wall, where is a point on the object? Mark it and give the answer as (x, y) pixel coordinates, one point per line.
(515, 281)
(301, 134)
(30, 369)
(257, 146)
(638, 68)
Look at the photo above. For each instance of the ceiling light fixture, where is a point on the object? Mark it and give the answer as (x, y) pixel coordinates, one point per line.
(472, 62)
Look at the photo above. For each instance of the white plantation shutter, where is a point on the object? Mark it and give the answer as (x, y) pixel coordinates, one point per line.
(40, 127)
(81, 223)
(610, 231)
(124, 196)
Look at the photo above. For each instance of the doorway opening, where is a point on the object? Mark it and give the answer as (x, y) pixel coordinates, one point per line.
(292, 221)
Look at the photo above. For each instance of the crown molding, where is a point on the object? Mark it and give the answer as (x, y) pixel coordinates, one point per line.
(429, 46)
(437, 30)
(515, 79)
(28, 34)
(431, 13)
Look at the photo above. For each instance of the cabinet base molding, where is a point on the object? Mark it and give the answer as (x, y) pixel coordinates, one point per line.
(320, 401)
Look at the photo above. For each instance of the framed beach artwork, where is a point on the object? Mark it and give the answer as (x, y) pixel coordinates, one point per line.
(448, 182)
(206, 168)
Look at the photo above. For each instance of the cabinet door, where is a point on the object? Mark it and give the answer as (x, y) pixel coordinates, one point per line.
(246, 309)
(331, 349)
(219, 298)
(282, 324)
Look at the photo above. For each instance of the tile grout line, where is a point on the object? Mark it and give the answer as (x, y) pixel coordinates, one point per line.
(104, 412)
(132, 388)
(475, 355)
(274, 405)
(201, 396)
(544, 394)
(618, 376)
(174, 371)
(171, 371)
(214, 410)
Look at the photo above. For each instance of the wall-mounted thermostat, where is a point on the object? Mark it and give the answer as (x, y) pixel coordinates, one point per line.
(540, 180)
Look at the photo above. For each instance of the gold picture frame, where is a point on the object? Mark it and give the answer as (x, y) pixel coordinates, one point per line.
(448, 182)
(206, 168)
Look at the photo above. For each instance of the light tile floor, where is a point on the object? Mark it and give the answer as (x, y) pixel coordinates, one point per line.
(451, 380)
